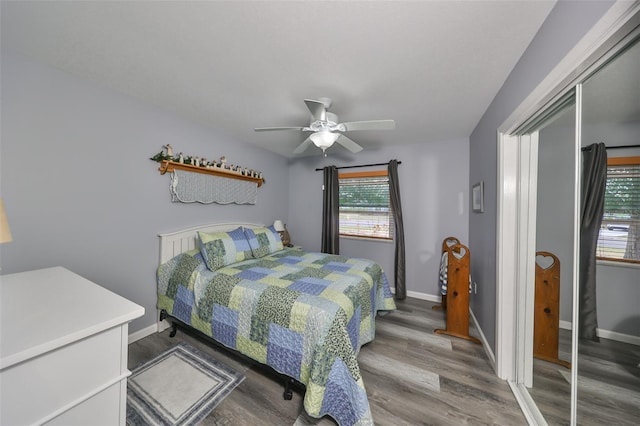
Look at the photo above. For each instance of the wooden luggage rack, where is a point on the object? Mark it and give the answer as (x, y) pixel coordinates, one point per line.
(546, 317)
(456, 301)
(446, 243)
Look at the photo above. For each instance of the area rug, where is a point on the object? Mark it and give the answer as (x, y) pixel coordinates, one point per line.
(181, 386)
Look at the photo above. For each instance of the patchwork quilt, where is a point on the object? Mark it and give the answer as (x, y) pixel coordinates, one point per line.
(304, 314)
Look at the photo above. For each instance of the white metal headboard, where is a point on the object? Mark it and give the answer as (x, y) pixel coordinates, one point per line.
(174, 243)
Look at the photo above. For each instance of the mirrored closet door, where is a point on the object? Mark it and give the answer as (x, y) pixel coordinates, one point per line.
(551, 384)
(588, 381)
(608, 390)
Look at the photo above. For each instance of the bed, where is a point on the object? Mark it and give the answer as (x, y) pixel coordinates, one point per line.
(303, 314)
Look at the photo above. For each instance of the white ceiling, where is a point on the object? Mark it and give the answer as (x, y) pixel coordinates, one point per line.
(433, 66)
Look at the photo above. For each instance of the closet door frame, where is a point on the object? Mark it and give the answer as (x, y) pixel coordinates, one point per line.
(514, 236)
(516, 248)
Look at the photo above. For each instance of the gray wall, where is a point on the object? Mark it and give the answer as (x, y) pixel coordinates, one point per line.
(567, 23)
(434, 192)
(81, 192)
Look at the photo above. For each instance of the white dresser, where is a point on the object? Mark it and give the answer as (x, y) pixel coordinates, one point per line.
(63, 350)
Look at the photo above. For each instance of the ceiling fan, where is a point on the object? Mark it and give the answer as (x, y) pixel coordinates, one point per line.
(327, 130)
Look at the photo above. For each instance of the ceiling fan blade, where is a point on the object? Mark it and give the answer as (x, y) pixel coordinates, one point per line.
(349, 144)
(263, 129)
(303, 146)
(317, 109)
(367, 125)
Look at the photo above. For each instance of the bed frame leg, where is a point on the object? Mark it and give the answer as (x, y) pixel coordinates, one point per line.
(174, 329)
(288, 393)
(174, 325)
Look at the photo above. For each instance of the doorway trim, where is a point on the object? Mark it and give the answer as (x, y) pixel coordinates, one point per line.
(516, 245)
(515, 190)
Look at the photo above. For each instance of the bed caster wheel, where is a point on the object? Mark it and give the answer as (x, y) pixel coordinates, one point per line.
(174, 329)
(288, 394)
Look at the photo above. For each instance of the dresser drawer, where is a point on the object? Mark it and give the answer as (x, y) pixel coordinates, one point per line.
(99, 410)
(33, 390)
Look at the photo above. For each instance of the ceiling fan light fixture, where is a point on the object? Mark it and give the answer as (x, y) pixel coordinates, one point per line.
(326, 129)
(324, 139)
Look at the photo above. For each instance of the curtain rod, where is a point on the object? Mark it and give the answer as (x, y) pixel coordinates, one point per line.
(361, 165)
(615, 147)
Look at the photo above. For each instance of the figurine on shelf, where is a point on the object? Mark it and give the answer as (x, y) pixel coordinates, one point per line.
(201, 162)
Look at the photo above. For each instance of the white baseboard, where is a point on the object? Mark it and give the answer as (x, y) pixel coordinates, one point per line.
(158, 327)
(483, 339)
(528, 406)
(424, 296)
(141, 334)
(163, 325)
(607, 334)
(565, 325)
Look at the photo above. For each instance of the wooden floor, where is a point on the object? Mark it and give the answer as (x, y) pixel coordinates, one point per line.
(608, 384)
(412, 377)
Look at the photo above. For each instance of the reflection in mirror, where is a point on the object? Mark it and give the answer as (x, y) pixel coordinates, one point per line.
(554, 240)
(609, 369)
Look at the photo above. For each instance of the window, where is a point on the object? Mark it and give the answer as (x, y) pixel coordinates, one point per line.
(619, 238)
(365, 209)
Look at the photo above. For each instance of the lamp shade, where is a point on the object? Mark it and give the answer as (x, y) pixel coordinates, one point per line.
(5, 231)
(278, 225)
(324, 139)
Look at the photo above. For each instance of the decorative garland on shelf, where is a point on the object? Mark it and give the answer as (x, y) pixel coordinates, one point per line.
(167, 155)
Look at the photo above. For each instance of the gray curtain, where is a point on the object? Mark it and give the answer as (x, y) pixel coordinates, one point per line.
(396, 205)
(594, 179)
(330, 211)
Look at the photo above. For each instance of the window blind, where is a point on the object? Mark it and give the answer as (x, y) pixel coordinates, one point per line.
(620, 231)
(365, 209)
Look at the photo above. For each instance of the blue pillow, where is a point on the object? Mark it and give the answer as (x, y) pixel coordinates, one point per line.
(263, 241)
(224, 248)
